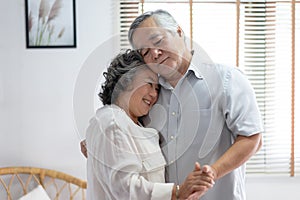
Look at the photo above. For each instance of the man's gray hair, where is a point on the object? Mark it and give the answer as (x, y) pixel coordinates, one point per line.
(162, 18)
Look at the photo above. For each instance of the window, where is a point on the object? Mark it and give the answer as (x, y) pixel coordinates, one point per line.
(262, 37)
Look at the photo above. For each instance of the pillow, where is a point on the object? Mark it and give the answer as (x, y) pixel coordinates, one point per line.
(36, 194)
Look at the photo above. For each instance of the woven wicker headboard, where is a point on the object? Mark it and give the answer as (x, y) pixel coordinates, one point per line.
(18, 181)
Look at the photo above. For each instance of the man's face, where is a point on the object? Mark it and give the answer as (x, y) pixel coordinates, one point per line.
(162, 50)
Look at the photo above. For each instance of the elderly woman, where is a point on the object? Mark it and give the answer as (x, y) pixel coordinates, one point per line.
(124, 158)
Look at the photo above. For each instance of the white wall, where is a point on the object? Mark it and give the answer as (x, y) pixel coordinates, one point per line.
(37, 125)
(273, 187)
(36, 88)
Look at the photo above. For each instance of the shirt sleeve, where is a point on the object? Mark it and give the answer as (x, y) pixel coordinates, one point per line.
(117, 166)
(241, 110)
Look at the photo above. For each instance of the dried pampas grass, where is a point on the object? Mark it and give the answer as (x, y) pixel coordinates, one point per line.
(55, 10)
(44, 34)
(44, 9)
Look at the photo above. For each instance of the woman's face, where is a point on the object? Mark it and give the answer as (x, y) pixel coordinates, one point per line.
(142, 95)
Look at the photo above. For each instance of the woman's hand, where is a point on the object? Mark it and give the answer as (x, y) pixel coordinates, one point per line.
(83, 148)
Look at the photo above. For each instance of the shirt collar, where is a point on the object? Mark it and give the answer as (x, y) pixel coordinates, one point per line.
(162, 81)
(194, 66)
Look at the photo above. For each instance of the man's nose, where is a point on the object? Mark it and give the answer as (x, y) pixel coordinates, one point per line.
(155, 52)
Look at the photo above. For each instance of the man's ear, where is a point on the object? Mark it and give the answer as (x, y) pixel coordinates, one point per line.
(179, 31)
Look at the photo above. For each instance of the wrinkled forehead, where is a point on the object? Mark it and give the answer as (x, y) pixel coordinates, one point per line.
(144, 36)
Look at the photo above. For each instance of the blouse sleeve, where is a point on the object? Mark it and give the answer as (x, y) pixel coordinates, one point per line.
(117, 166)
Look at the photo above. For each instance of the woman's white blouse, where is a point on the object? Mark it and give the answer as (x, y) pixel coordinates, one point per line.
(124, 160)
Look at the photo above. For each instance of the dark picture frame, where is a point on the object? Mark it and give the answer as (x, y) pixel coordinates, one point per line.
(50, 23)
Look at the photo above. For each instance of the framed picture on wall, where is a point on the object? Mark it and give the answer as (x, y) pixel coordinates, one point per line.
(50, 23)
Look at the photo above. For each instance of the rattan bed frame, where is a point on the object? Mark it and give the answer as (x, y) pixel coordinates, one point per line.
(18, 181)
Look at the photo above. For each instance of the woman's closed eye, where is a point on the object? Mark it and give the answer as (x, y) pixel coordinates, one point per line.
(151, 84)
(154, 85)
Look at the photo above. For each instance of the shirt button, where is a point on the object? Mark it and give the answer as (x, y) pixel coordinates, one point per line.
(172, 137)
(173, 113)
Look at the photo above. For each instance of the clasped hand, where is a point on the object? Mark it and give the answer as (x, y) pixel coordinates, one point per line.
(197, 183)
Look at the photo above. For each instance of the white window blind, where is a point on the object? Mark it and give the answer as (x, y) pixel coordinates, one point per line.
(129, 10)
(263, 38)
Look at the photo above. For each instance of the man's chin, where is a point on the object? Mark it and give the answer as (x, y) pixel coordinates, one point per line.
(168, 74)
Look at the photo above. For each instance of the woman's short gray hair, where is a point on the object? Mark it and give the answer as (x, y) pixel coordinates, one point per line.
(120, 75)
(162, 18)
